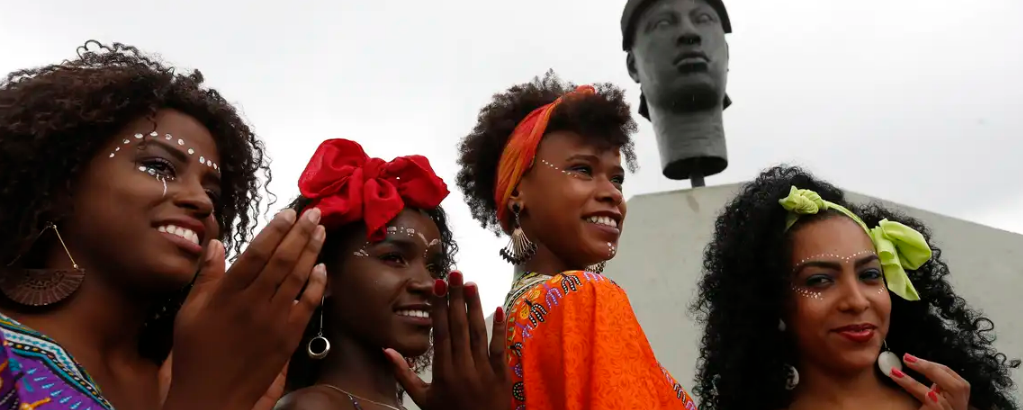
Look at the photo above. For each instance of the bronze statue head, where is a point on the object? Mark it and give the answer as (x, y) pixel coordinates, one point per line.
(676, 51)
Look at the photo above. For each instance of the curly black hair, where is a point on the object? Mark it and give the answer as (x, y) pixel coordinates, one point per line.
(743, 290)
(303, 371)
(55, 119)
(604, 119)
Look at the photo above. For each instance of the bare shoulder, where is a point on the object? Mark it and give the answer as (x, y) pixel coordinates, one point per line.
(311, 398)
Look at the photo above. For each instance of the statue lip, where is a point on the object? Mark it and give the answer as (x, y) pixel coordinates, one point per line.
(691, 55)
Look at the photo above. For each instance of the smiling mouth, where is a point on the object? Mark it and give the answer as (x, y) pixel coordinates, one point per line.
(603, 220)
(414, 313)
(184, 233)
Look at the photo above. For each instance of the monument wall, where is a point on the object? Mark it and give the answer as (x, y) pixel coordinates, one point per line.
(661, 252)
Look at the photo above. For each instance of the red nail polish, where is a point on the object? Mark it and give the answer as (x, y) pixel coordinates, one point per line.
(470, 289)
(455, 278)
(898, 374)
(440, 288)
(499, 315)
(933, 396)
(909, 358)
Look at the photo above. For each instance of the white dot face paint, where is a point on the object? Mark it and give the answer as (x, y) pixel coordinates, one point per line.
(139, 137)
(809, 293)
(404, 231)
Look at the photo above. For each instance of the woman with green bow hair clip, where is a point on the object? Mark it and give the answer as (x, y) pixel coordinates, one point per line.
(811, 302)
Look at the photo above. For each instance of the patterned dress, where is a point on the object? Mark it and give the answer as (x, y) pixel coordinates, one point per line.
(36, 373)
(574, 343)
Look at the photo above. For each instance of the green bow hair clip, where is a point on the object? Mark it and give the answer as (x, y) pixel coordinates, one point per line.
(898, 246)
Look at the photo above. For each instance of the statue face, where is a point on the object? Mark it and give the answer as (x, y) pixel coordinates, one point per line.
(679, 55)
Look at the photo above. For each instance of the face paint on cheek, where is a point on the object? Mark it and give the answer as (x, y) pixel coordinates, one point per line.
(554, 167)
(807, 293)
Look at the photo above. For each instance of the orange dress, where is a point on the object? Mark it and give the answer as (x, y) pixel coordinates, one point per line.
(574, 343)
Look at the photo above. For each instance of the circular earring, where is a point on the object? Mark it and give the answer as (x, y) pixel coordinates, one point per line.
(886, 361)
(793, 377)
(314, 353)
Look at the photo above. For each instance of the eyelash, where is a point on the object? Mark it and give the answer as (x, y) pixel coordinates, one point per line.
(152, 166)
(819, 279)
(161, 168)
(588, 171)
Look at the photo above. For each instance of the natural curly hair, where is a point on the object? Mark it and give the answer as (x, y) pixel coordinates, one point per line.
(743, 292)
(55, 119)
(604, 119)
(303, 371)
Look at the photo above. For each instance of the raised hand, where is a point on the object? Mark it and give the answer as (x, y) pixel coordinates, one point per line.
(468, 373)
(236, 331)
(267, 402)
(948, 391)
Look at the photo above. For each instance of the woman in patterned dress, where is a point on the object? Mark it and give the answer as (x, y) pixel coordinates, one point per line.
(117, 178)
(811, 302)
(387, 255)
(544, 166)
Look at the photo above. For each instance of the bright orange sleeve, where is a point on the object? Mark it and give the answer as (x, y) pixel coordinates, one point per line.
(574, 344)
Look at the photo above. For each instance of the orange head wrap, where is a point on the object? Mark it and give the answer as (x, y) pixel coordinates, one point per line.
(520, 151)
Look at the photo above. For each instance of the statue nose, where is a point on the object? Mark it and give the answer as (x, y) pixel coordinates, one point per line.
(689, 39)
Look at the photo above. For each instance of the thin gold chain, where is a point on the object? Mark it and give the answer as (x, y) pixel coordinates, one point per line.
(363, 398)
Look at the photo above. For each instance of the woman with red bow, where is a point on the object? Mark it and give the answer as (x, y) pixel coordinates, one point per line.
(387, 252)
(544, 166)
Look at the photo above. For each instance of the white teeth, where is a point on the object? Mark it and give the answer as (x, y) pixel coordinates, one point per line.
(414, 313)
(603, 220)
(179, 231)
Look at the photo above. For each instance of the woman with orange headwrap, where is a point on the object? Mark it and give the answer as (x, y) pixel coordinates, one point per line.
(544, 166)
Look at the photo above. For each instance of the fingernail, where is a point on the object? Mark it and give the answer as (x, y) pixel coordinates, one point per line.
(211, 250)
(313, 215)
(440, 288)
(910, 358)
(470, 289)
(499, 315)
(455, 278)
(898, 374)
(287, 215)
(320, 270)
(933, 396)
(320, 233)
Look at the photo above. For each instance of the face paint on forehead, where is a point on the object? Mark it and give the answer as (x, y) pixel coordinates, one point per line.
(140, 138)
(845, 259)
(405, 231)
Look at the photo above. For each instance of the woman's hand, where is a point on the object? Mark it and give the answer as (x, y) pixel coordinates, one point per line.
(467, 373)
(949, 391)
(267, 402)
(236, 331)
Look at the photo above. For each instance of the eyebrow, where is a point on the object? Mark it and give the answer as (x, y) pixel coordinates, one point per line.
(593, 159)
(834, 265)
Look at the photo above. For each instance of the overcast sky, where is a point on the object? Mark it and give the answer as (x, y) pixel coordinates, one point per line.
(915, 101)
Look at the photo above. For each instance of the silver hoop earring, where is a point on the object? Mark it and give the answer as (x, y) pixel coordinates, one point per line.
(793, 377)
(519, 248)
(886, 361)
(310, 350)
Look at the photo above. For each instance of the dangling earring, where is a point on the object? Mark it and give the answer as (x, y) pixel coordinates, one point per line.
(887, 360)
(599, 267)
(793, 377)
(519, 248)
(42, 287)
(318, 355)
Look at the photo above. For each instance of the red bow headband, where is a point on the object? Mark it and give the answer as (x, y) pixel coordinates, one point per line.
(347, 186)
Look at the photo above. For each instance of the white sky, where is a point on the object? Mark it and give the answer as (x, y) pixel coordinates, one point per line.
(916, 101)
